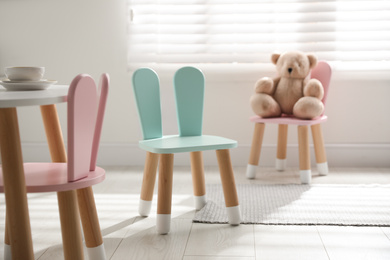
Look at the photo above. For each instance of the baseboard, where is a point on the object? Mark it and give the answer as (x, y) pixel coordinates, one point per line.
(339, 155)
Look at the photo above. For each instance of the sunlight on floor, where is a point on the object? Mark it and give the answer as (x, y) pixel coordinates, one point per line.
(127, 234)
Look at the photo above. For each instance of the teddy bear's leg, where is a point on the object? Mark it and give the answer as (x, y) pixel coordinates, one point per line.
(304, 154)
(308, 108)
(319, 149)
(281, 153)
(254, 156)
(264, 105)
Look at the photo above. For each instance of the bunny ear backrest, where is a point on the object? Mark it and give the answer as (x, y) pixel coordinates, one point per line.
(146, 88)
(104, 84)
(189, 95)
(323, 73)
(82, 109)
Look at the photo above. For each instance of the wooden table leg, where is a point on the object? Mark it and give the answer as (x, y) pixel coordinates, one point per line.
(14, 186)
(67, 200)
(7, 242)
(53, 133)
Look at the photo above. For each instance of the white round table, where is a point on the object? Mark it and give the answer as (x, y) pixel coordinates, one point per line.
(18, 230)
(52, 95)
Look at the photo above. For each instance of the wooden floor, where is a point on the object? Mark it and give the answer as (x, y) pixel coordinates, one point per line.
(127, 236)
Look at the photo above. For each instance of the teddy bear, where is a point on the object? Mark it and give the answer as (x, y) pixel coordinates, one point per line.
(292, 93)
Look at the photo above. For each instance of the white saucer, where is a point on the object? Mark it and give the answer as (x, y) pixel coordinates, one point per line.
(26, 85)
(22, 81)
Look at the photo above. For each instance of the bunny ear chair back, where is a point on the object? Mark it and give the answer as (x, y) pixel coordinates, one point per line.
(85, 118)
(189, 84)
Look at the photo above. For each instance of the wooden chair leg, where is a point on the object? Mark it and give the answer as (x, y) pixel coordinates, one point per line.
(7, 242)
(19, 229)
(198, 180)
(67, 200)
(254, 156)
(149, 179)
(304, 154)
(70, 225)
(91, 227)
(281, 152)
(164, 200)
(229, 186)
(319, 149)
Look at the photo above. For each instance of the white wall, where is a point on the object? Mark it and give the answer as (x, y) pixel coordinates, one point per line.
(71, 37)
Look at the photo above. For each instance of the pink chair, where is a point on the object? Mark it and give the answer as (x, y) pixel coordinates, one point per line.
(85, 119)
(322, 72)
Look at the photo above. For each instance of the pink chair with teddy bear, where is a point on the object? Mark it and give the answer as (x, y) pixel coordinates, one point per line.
(322, 72)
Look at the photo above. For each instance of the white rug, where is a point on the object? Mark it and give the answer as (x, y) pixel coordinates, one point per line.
(346, 205)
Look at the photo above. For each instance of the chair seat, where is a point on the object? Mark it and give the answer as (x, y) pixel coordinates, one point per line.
(179, 144)
(53, 177)
(288, 120)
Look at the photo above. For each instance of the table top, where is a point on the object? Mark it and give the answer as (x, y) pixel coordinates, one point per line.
(52, 95)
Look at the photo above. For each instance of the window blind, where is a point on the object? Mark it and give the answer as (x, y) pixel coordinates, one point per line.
(352, 35)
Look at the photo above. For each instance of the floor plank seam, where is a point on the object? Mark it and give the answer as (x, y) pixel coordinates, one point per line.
(323, 244)
(254, 240)
(188, 238)
(388, 236)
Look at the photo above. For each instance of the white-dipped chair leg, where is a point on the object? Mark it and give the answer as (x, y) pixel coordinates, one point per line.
(229, 187)
(144, 207)
(254, 155)
(198, 180)
(96, 253)
(234, 215)
(251, 171)
(163, 224)
(305, 176)
(7, 252)
(164, 199)
(323, 168)
(200, 202)
(280, 164)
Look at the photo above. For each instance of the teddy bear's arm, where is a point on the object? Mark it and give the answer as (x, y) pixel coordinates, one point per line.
(276, 82)
(266, 85)
(313, 88)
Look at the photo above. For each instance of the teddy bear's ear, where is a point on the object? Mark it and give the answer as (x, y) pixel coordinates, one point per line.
(275, 57)
(312, 60)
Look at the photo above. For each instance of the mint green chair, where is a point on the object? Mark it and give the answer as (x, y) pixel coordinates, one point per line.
(189, 94)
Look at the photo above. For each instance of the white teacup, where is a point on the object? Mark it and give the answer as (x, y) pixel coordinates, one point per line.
(24, 73)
